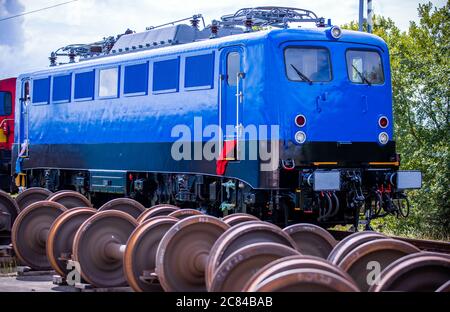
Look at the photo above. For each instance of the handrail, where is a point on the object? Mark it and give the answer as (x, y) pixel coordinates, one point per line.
(5, 120)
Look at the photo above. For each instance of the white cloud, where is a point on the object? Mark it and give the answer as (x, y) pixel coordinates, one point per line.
(90, 20)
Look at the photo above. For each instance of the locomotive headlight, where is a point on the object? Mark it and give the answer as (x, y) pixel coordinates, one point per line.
(300, 137)
(336, 32)
(383, 138)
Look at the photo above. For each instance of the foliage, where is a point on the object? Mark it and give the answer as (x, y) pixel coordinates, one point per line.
(420, 64)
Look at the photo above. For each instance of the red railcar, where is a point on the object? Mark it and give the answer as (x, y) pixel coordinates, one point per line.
(7, 100)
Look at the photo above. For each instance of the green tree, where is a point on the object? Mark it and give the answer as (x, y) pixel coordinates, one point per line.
(420, 65)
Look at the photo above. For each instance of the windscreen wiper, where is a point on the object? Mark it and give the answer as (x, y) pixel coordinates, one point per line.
(363, 78)
(301, 75)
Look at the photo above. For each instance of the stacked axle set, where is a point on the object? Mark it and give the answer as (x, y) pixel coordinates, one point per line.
(165, 248)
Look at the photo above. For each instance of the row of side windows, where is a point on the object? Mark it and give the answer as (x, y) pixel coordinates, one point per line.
(198, 74)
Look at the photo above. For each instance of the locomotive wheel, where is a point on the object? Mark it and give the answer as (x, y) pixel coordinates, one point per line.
(383, 252)
(140, 253)
(127, 205)
(157, 211)
(237, 218)
(305, 280)
(240, 236)
(242, 264)
(30, 231)
(183, 253)
(311, 239)
(418, 272)
(9, 210)
(61, 235)
(349, 243)
(70, 199)
(99, 244)
(184, 213)
(293, 263)
(32, 195)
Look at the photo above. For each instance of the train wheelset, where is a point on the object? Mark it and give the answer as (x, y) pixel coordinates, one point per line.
(165, 248)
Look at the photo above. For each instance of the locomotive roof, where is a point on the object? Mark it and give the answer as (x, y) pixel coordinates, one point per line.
(276, 35)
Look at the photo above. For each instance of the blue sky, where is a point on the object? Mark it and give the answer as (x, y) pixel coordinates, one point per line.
(26, 42)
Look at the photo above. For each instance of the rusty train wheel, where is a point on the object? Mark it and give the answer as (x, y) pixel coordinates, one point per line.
(311, 239)
(30, 231)
(293, 263)
(163, 205)
(380, 252)
(237, 218)
(61, 236)
(9, 210)
(184, 250)
(185, 213)
(349, 243)
(127, 205)
(445, 287)
(236, 269)
(140, 253)
(98, 247)
(32, 195)
(157, 211)
(418, 272)
(70, 199)
(305, 280)
(240, 236)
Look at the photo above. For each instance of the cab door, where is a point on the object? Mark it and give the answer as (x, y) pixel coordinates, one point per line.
(23, 130)
(230, 101)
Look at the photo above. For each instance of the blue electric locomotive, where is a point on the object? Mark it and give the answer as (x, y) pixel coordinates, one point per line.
(298, 121)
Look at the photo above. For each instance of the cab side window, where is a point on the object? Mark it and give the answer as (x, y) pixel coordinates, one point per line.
(5, 103)
(233, 67)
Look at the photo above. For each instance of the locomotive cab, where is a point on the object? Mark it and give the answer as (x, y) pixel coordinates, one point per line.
(7, 96)
(334, 100)
(335, 96)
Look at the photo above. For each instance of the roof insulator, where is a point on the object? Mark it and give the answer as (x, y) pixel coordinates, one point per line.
(214, 29)
(248, 23)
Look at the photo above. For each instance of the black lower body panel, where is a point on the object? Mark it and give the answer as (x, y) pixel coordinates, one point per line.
(345, 154)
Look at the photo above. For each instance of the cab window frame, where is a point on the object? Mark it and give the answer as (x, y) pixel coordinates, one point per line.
(98, 78)
(365, 50)
(312, 47)
(4, 112)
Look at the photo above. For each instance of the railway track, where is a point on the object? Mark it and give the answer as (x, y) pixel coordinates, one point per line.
(165, 248)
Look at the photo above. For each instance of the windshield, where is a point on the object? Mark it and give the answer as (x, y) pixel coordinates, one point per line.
(364, 67)
(307, 64)
(5, 103)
